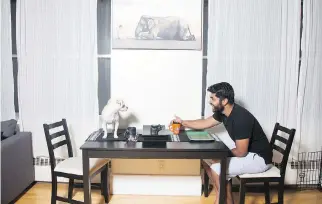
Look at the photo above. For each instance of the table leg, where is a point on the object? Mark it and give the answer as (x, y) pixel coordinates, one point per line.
(206, 183)
(86, 179)
(222, 189)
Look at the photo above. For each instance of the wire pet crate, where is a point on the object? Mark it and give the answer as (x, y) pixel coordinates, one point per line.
(309, 170)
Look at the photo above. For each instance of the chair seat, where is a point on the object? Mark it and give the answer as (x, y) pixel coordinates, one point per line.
(271, 172)
(74, 165)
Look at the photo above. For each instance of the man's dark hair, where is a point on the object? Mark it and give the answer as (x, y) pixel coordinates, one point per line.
(223, 90)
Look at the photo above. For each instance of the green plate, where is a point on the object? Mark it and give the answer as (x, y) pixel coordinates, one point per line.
(199, 136)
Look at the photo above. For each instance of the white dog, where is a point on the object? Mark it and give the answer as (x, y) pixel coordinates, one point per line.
(110, 115)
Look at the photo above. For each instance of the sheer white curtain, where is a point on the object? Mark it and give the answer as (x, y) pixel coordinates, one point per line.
(254, 45)
(57, 56)
(7, 91)
(310, 85)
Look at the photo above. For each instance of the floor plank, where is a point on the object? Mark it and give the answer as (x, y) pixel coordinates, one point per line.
(40, 193)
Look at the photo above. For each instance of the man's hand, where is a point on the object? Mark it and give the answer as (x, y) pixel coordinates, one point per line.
(241, 149)
(197, 124)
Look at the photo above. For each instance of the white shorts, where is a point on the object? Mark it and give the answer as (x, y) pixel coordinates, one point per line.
(251, 163)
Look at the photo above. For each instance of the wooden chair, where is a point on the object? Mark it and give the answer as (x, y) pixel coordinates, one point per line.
(71, 167)
(275, 173)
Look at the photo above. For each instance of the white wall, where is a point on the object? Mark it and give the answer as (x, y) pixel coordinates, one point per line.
(156, 84)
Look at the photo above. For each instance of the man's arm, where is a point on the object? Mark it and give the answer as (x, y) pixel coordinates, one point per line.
(200, 123)
(241, 149)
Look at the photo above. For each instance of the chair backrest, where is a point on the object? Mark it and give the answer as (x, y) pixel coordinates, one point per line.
(51, 136)
(288, 144)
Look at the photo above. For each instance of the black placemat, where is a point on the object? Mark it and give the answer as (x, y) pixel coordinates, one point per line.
(120, 133)
(183, 137)
(110, 136)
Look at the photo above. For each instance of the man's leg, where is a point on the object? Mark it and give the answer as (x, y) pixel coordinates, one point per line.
(215, 177)
(216, 181)
(206, 166)
(212, 177)
(206, 163)
(251, 163)
(207, 169)
(229, 195)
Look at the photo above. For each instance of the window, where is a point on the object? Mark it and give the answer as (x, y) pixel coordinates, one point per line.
(104, 51)
(204, 55)
(14, 54)
(104, 16)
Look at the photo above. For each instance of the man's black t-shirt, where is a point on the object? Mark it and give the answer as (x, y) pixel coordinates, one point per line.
(241, 124)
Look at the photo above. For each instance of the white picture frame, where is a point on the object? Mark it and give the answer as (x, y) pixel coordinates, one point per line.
(157, 24)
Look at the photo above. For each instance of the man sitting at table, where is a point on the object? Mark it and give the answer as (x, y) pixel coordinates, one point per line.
(252, 153)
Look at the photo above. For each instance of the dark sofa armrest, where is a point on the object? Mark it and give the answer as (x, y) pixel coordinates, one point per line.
(17, 169)
(20, 141)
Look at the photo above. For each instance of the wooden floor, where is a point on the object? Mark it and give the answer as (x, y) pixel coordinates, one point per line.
(41, 194)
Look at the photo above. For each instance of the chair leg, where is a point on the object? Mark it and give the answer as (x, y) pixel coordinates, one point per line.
(206, 183)
(267, 196)
(104, 183)
(70, 188)
(242, 192)
(53, 189)
(281, 192)
(107, 181)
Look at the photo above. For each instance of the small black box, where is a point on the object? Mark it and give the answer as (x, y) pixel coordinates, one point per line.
(155, 141)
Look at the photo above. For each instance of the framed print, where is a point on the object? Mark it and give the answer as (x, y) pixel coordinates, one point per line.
(157, 24)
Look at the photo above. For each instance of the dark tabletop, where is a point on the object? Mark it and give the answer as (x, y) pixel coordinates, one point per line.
(169, 146)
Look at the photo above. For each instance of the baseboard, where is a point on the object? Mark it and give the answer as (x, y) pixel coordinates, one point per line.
(156, 185)
(152, 185)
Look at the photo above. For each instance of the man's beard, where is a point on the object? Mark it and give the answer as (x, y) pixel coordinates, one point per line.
(218, 109)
